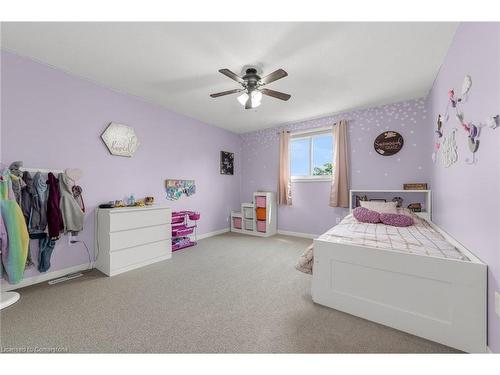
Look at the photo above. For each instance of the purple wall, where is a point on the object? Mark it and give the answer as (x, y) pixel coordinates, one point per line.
(310, 212)
(54, 120)
(466, 197)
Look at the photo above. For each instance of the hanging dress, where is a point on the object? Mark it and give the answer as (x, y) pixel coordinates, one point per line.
(54, 216)
(15, 252)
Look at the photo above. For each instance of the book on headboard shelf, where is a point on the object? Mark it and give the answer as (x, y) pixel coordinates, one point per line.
(415, 186)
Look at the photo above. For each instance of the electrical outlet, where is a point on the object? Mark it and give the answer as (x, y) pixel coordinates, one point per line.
(338, 219)
(497, 303)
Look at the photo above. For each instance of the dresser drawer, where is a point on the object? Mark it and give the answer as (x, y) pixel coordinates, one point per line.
(136, 237)
(139, 255)
(138, 219)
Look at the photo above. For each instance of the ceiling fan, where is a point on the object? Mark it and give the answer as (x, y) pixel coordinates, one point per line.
(252, 87)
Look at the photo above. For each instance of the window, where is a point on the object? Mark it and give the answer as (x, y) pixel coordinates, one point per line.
(311, 155)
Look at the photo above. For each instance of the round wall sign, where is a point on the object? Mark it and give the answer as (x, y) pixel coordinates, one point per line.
(388, 143)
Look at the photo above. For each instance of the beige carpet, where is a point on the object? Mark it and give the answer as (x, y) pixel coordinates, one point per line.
(230, 294)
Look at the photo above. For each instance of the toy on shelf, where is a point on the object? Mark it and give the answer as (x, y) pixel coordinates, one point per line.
(184, 224)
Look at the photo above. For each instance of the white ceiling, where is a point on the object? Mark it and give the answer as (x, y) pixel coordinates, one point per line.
(332, 67)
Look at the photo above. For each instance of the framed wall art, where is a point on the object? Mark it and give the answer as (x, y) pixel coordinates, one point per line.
(120, 140)
(226, 163)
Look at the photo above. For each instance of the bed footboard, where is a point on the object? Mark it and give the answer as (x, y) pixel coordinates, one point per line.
(443, 300)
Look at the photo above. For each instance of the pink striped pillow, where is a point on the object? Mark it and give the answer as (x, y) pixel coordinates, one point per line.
(365, 215)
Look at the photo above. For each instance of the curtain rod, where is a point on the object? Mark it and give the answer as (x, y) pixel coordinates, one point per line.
(310, 130)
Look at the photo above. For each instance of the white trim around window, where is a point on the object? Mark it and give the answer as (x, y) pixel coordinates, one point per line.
(311, 178)
(309, 133)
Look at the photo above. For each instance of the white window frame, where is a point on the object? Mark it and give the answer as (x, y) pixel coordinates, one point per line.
(308, 134)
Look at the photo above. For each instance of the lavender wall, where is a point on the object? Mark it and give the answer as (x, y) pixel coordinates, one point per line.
(54, 120)
(310, 212)
(466, 197)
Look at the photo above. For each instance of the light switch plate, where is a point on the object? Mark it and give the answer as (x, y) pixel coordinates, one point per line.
(497, 303)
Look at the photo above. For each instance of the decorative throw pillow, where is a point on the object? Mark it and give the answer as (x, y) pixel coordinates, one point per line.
(365, 215)
(381, 207)
(396, 220)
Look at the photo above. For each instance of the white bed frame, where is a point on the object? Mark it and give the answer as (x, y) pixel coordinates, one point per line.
(443, 300)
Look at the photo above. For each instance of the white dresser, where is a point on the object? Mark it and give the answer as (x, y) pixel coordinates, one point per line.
(129, 238)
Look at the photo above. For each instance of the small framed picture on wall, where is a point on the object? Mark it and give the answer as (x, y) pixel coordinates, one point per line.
(226, 163)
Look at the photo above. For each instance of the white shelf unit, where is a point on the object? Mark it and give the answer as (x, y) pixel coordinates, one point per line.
(426, 212)
(257, 218)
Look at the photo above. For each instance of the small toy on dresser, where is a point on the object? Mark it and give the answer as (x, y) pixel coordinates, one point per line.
(129, 202)
(184, 224)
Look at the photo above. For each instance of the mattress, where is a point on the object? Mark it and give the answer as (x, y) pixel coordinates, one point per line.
(420, 238)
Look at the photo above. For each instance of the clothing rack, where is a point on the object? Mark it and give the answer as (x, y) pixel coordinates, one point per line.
(55, 276)
(41, 170)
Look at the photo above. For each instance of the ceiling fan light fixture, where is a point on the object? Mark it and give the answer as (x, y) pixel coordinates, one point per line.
(256, 96)
(243, 98)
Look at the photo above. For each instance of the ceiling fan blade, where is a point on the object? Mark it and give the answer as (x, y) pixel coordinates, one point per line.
(274, 76)
(275, 94)
(232, 75)
(216, 95)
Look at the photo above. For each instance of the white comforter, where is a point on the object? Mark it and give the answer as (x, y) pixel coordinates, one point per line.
(419, 238)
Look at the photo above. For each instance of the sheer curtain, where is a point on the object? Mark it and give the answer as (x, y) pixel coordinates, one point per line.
(339, 194)
(284, 188)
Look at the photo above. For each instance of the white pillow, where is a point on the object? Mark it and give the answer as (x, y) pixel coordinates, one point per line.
(406, 212)
(381, 207)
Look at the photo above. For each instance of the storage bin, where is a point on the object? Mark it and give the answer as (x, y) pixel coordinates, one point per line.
(248, 224)
(182, 230)
(194, 216)
(177, 219)
(261, 226)
(261, 213)
(248, 212)
(260, 201)
(237, 222)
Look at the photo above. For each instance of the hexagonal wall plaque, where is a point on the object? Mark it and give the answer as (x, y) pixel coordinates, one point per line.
(120, 140)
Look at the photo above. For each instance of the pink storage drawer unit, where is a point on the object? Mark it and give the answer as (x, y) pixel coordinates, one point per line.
(182, 230)
(261, 225)
(260, 201)
(237, 222)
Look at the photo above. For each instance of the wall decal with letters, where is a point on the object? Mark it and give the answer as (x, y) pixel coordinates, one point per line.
(120, 140)
(388, 143)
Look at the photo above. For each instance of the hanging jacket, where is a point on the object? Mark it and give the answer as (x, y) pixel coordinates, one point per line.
(31, 209)
(71, 212)
(40, 185)
(54, 217)
(3, 235)
(27, 195)
(15, 249)
(17, 181)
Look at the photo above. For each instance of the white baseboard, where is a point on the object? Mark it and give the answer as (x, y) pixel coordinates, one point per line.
(488, 350)
(211, 234)
(43, 277)
(298, 234)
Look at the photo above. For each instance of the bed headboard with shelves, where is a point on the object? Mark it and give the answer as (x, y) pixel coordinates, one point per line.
(424, 197)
